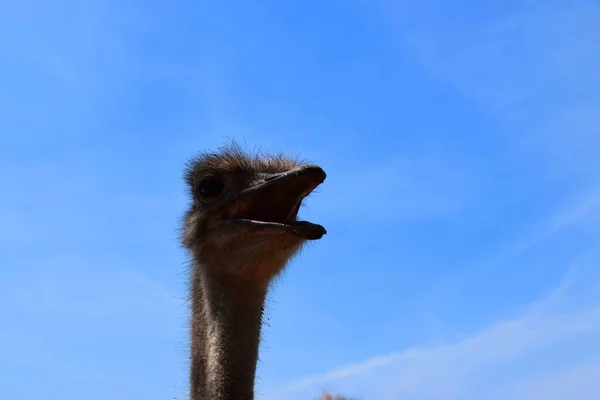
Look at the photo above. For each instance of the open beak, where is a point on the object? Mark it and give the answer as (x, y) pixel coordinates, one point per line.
(273, 203)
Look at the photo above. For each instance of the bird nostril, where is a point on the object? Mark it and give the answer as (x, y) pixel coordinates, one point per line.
(271, 177)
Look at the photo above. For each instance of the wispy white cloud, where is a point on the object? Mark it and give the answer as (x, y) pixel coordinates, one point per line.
(534, 69)
(542, 48)
(577, 212)
(490, 361)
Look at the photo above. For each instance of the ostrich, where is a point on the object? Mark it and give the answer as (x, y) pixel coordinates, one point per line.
(240, 230)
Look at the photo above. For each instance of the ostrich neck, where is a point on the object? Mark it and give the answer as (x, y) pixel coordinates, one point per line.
(225, 334)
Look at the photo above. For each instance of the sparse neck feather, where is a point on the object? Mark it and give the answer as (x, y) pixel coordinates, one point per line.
(225, 334)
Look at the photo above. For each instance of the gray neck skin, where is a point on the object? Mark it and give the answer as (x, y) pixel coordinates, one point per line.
(226, 322)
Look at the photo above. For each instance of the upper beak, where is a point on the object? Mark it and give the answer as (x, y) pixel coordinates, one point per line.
(306, 177)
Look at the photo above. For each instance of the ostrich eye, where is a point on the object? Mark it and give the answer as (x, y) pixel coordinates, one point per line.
(209, 188)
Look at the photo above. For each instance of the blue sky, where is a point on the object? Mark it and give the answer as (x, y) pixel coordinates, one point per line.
(462, 145)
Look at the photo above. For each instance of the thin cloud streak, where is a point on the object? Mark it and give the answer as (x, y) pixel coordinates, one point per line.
(457, 366)
(534, 70)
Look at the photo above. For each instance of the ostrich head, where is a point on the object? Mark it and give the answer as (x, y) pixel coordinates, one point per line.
(244, 211)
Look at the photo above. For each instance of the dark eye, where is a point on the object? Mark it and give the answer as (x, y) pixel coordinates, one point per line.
(209, 187)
